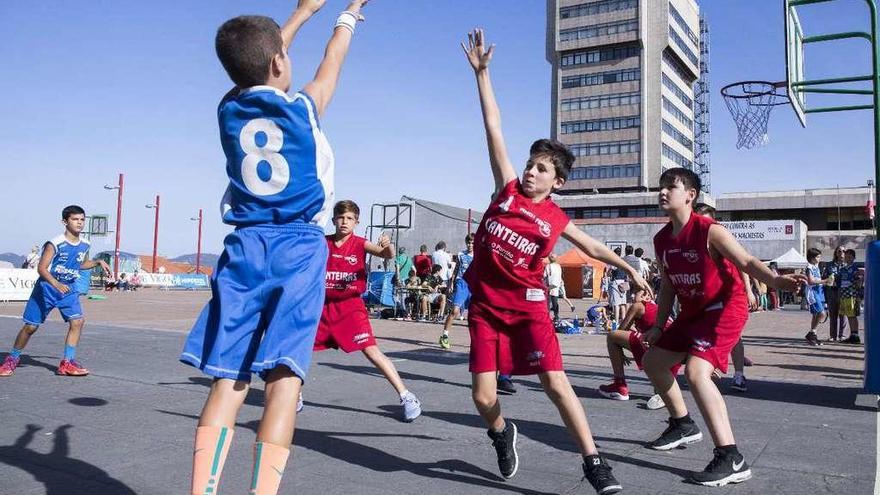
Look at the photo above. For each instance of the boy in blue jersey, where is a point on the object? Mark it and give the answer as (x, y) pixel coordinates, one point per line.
(268, 289)
(60, 264)
(461, 295)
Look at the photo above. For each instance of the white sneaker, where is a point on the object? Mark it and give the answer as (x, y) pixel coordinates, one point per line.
(655, 402)
(299, 403)
(412, 408)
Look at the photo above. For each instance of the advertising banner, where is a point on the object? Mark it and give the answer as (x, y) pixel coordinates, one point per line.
(190, 281)
(761, 230)
(16, 284)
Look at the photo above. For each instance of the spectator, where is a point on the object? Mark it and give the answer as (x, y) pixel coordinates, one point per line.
(422, 262)
(413, 297)
(815, 296)
(441, 257)
(553, 281)
(851, 285)
(617, 292)
(122, 283)
(134, 283)
(404, 265)
(775, 296)
(836, 321)
(631, 258)
(436, 289)
(644, 268)
(33, 258)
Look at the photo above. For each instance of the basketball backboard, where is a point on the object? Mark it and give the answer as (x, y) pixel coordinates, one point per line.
(794, 61)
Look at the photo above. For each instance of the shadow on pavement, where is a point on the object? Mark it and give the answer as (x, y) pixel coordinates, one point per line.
(405, 375)
(57, 471)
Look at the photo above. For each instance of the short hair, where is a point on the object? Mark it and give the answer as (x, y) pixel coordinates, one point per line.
(639, 252)
(345, 206)
(558, 153)
(812, 253)
(688, 178)
(628, 249)
(246, 45)
(440, 245)
(705, 210)
(850, 252)
(469, 238)
(72, 210)
(423, 248)
(436, 269)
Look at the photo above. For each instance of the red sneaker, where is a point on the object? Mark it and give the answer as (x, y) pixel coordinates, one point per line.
(8, 366)
(615, 391)
(71, 368)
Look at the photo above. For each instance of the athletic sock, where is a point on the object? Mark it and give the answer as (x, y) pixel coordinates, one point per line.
(404, 394)
(729, 449)
(737, 374)
(445, 333)
(69, 352)
(16, 353)
(209, 454)
(684, 420)
(269, 463)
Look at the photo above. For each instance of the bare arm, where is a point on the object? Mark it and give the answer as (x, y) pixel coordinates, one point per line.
(43, 268)
(723, 242)
(305, 9)
(753, 303)
(323, 86)
(599, 251)
(479, 57)
(384, 248)
(636, 310)
(665, 299)
(89, 264)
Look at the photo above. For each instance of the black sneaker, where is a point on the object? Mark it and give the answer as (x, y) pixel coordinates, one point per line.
(677, 433)
(812, 338)
(853, 339)
(505, 446)
(598, 473)
(723, 469)
(505, 386)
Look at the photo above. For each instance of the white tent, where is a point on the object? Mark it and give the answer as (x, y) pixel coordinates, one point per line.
(791, 259)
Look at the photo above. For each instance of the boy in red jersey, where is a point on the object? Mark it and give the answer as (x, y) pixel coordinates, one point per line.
(641, 314)
(345, 323)
(699, 261)
(509, 322)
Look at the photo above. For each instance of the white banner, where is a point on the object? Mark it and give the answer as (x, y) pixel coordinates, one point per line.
(761, 230)
(16, 284)
(156, 279)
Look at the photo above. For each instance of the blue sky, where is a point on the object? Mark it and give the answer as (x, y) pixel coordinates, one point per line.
(92, 89)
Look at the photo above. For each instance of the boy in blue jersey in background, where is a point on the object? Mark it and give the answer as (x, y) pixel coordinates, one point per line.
(268, 289)
(461, 295)
(59, 268)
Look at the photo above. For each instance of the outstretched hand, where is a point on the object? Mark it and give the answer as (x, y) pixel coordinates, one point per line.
(476, 52)
(310, 6)
(383, 241)
(790, 283)
(356, 6)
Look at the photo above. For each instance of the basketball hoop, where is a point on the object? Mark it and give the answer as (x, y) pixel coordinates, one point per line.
(750, 103)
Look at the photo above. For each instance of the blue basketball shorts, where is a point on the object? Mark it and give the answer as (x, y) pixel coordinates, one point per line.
(44, 298)
(816, 300)
(267, 295)
(462, 295)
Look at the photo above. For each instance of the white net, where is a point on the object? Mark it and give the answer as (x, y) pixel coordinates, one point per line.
(750, 104)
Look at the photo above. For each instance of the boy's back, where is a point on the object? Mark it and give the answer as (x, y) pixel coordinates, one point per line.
(279, 163)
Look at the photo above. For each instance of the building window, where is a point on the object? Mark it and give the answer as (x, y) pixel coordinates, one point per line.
(674, 133)
(675, 65)
(681, 44)
(594, 8)
(598, 30)
(596, 56)
(579, 126)
(683, 25)
(605, 172)
(679, 93)
(677, 157)
(678, 114)
(606, 148)
(602, 101)
(601, 78)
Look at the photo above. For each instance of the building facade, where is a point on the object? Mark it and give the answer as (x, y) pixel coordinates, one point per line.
(623, 90)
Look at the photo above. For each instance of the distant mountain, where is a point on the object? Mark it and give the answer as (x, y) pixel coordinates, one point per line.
(207, 259)
(13, 258)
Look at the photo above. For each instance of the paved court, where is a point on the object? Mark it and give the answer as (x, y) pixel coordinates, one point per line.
(128, 427)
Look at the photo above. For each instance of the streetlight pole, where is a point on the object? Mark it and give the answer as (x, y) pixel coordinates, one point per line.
(118, 188)
(199, 245)
(155, 231)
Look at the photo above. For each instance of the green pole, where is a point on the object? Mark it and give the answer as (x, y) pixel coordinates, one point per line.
(872, 6)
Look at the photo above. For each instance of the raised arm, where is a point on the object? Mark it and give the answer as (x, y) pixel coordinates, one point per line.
(726, 245)
(479, 58)
(599, 251)
(305, 9)
(383, 247)
(323, 86)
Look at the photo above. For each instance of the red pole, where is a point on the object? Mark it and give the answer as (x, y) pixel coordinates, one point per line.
(469, 221)
(118, 225)
(199, 245)
(156, 234)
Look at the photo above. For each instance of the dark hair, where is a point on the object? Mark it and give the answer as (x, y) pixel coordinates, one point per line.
(851, 252)
(561, 157)
(423, 248)
(436, 269)
(245, 46)
(639, 252)
(688, 178)
(440, 245)
(812, 253)
(71, 210)
(705, 210)
(628, 249)
(345, 206)
(469, 238)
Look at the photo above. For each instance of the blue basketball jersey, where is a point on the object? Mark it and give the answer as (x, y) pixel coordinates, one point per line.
(68, 257)
(279, 163)
(464, 261)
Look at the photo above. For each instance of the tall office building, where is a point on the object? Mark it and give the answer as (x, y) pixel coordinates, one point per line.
(624, 76)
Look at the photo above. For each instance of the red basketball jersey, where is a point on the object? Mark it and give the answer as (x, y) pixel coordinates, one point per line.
(701, 282)
(511, 242)
(346, 268)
